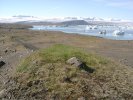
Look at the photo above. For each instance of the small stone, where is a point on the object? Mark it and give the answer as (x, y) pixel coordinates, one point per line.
(78, 63)
(36, 82)
(75, 61)
(2, 63)
(6, 51)
(81, 98)
(67, 79)
(30, 83)
(2, 93)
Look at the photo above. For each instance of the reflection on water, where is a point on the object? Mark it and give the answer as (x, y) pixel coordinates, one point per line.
(100, 31)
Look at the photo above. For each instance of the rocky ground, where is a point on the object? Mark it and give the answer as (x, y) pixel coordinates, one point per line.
(16, 44)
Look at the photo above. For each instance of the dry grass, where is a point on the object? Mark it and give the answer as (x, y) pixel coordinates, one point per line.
(45, 74)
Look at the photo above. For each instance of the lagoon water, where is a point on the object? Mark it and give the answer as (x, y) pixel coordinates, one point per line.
(82, 29)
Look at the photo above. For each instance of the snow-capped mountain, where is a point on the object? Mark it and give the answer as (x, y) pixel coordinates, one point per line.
(21, 18)
(93, 19)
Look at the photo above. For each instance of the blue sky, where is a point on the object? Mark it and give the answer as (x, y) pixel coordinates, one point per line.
(121, 9)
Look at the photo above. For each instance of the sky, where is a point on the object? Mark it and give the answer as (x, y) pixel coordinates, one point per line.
(120, 9)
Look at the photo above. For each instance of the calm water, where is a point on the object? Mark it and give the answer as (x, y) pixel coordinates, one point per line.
(85, 30)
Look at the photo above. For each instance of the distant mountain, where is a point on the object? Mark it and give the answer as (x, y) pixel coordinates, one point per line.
(37, 23)
(20, 18)
(93, 19)
(24, 19)
(23, 16)
(74, 22)
(64, 23)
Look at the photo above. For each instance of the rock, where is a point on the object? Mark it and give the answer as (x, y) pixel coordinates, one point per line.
(78, 63)
(10, 51)
(75, 61)
(2, 93)
(2, 63)
(6, 51)
(67, 79)
(36, 82)
(81, 98)
(30, 83)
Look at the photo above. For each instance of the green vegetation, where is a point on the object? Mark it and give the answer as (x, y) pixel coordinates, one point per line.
(45, 74)
(60, 54)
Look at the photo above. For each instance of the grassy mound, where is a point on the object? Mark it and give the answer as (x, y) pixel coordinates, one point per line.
(46, 75)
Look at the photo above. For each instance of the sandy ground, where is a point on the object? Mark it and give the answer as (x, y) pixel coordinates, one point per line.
(21, 42)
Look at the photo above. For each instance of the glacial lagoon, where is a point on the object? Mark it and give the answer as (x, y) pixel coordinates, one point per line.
(92, 31)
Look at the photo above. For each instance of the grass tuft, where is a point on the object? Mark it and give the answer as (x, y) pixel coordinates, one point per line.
(60, 53)
(47, 70)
